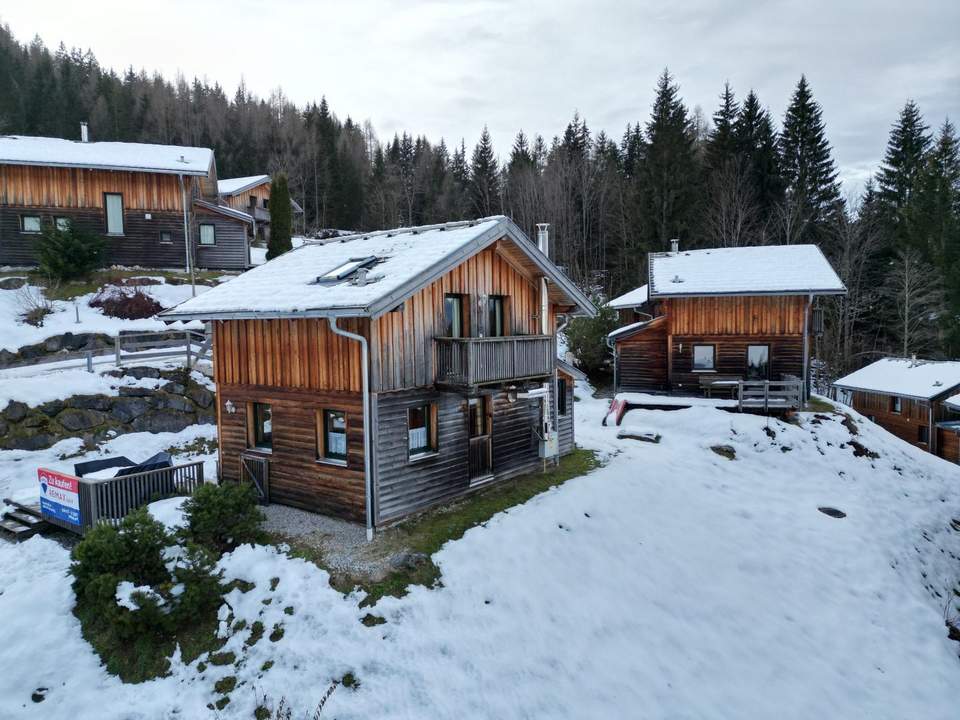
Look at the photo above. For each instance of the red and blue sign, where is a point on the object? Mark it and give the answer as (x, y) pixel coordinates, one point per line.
(59, 496)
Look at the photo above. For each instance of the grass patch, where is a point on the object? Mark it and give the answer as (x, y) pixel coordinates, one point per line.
(428, 532)
(223, 658)
(75, 288)
(266, 666)
(256, 632)
(277, 634)
(816, 404)
(198, 446)
(225, 685)
(371, 620)
(726, 451)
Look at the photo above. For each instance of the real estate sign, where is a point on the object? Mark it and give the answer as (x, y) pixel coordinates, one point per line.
(59, 496)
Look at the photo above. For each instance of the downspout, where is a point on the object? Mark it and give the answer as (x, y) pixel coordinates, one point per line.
(365, 380)
(186, 237)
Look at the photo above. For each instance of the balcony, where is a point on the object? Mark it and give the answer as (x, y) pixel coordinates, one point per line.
(259, 214)
(469, 362)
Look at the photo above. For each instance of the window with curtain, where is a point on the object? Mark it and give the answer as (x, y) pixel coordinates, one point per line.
(30, 223)
(496, 325)
(208, 234)
(114, 208)
(419, 430)
(333, 445)
(453, 316)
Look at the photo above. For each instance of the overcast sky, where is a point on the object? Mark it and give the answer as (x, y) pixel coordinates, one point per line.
(443, 68)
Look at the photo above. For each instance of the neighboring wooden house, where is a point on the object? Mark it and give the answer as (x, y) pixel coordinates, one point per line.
(252, 195)
(633, 307)
(916, 400)
(143, 199)
(375, 375)
(721, 315)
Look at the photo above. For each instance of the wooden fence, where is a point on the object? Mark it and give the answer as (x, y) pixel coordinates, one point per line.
(769, 395)
(476, 361)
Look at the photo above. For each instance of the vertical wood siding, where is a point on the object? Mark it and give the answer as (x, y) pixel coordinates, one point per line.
(241, 201)
(741, 315)
(32, 186)
(642, 360)
(402, 341)
(293, 354)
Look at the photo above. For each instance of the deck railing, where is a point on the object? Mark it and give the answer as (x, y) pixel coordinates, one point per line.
(478, 361)
(770, 394)
(112, 499)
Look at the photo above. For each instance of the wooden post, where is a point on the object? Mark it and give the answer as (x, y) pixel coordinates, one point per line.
(116, 346)
(90, 361)
(186, 336)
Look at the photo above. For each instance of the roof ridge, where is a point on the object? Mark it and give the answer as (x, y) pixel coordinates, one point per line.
(412, 230)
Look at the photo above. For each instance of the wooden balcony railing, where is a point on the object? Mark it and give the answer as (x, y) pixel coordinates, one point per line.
(468, 362)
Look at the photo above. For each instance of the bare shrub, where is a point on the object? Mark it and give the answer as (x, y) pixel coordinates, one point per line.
(125, 303)
(33, 305)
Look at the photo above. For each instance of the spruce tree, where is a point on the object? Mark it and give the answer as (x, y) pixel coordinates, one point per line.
(721, 142)
(484, 178)
(280, 217)
(809, 171)
(670, 175)
(756, 143)
(904, 159)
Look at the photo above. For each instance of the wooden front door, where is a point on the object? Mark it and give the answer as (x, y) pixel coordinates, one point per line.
(480, 421)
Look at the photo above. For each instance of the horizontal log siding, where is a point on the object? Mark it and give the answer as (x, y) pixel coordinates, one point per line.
(292, 354)
(139, 245)
(31, 186)
(230, 251)
(403, 486)
(948, 444)
(642, 360)
(565, 422)
(403, 355)
(296, 477)
(515, 444)
(786, 357)
(913, 413)
(741, 315)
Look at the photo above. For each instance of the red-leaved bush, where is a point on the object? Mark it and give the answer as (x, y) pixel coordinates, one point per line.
(125, 303)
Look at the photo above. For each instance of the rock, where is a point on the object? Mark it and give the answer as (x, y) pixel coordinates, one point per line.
(15, 411)
(35, 419)
(75, 419)
(206, 418)
(3, 428)
(52, 408)
(172, 402)
(90, 402)
(201, 396)
(162, 421)
(724, 451)
(12, 283)
(175, 388)
(408, 560)
(7, 358)
(53, 344)
(141, 372)
(135, 392)
(29, 442)
(126, 409)
(832, 512)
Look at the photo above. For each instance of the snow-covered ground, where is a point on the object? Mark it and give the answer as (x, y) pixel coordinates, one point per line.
(15, 334)
(671, 583)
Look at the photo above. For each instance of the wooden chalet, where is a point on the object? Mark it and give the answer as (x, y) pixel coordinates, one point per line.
(916, 400)
(155, 205)
(374, 375)
(252, 196)
(708, 319)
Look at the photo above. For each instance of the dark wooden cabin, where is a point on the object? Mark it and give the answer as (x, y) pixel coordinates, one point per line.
(916, 400)
(140, 198)
(711, 317)
(252, 196)
(375, 375)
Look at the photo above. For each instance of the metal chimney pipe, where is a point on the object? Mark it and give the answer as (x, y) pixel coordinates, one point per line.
(675, 246)
(84, 133)
(543, 238)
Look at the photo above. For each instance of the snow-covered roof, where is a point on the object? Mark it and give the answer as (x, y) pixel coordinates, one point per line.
(633, 327)
(232, 186)
(953, 402)
(57, 152)
(634, 298)
(405, 260)
(761, 270)
(224, 210)
(923, 379)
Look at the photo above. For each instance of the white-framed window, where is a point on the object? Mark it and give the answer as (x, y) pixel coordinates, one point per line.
(208, 234)
(62, 224)
(704, 357)
(113, 204)
(420, 430)
(332, 436)
(30, 224)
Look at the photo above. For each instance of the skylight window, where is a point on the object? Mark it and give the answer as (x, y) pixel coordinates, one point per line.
(345, 270)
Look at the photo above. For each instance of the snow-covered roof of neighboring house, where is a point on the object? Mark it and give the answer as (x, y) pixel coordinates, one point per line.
(634, 298)
(224, 210)
(953, 402)
(761, 270)
(922, 379)
(633, 328)
(399, 262)
(131, 157)
(232, 186)
(571, 370)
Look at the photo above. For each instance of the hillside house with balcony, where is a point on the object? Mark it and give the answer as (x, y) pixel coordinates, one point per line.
(155, 205)
(916, 400)
(373, 375)
(252, 196)
(708, 320)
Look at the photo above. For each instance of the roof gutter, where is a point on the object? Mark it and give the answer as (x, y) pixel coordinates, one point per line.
(367, 430)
